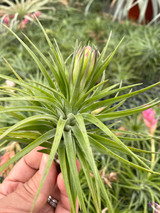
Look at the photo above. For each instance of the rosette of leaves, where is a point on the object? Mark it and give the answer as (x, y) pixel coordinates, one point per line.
(19, 10)
(60, 117)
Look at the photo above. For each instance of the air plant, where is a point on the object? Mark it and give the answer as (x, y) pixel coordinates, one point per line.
(61, 118)
(137, 188)
(20, 12)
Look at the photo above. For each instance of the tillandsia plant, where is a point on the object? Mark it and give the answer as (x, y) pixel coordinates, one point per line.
(136, 189)
(20, 12)
(61, 118)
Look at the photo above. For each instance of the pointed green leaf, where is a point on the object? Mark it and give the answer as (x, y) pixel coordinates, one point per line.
(28, 148)
(108, 132)
(57, 139)
(87, 173)
(105, 150)
(35, 58)
(71, 156)
(116, 99)
(82, 137)
(63, 164)
(27, 120)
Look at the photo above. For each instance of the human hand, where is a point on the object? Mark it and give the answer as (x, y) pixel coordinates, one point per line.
(18, 190)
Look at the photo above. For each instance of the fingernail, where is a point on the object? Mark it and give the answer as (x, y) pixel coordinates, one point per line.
(43, 164)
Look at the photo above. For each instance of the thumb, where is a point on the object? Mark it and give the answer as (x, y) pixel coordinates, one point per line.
(24, 196)
(32, 185)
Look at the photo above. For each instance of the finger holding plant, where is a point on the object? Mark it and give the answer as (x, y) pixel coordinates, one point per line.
(62, 121)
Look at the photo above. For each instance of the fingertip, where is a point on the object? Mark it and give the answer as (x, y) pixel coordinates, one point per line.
(60, 181)
(64, 200)
(43, 163)
(60, 184)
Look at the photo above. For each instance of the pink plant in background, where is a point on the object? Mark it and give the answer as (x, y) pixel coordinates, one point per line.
(150, 120)
(6, 20)
(156, 207)
(37, 14)
(25, 21)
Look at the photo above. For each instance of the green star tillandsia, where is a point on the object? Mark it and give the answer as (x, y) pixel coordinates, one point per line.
(60, 117)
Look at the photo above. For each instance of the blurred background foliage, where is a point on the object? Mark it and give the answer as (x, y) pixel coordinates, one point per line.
(136, 61)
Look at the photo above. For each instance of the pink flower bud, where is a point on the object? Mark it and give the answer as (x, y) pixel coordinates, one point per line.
(26, 20)
(37, 14)
(24, 23)
(6, 20)
(89, 61)
(155, 206)
(149, 119)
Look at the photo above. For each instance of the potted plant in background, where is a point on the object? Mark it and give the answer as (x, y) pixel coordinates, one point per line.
(143, 11)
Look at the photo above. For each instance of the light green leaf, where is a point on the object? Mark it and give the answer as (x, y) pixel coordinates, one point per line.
(27, 120)
(82, 137)
(40, 65)
(46, 100)
(99, 70)
(28, 148)
(108, 132)
(28, 109)
(107, 151)
(84, 95)
(71, 156)
(59, 62)
(123, 113)
(64, 170)
(106, 92)
(57, 139)
(116, 99)
(87, 173)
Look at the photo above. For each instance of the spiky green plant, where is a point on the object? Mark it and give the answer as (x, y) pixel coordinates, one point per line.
(61, 117)
(21, 8)
(137, 188)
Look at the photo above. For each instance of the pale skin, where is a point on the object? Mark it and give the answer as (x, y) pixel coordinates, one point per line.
(19, 188)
